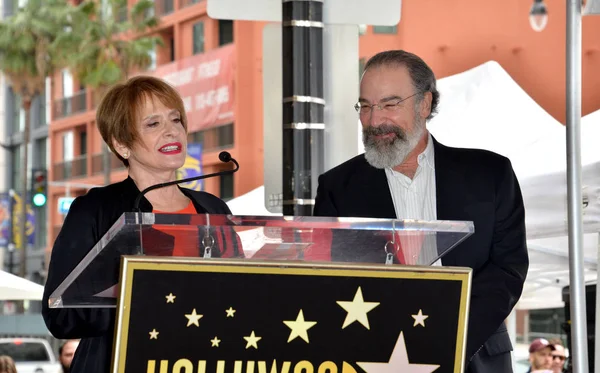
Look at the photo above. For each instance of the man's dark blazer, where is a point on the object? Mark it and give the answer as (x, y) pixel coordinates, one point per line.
(471, 185)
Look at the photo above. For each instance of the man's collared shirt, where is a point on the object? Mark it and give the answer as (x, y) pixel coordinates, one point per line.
(416, 198)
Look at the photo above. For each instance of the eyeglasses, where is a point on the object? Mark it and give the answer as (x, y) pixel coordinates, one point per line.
(363, 108)
(561, 358)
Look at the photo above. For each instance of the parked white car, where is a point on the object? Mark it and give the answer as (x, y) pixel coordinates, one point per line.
(31, 355)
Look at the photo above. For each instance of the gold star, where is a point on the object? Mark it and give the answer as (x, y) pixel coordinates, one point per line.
(357, 310)
(299, 328)
(419, 319)
(252, 340)
(230, 312)
(193, 318)
(215, 342)
(153, 334)
(170, 298)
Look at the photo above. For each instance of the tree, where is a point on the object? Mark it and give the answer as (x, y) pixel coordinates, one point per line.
(108, 42)
(27, 57)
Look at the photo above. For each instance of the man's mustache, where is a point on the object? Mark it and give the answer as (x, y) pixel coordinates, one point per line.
(383, 129)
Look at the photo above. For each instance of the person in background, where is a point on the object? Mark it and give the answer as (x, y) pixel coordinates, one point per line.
(7, 365)
(144, 123)
(66, 351)
(559, 356)
(540, 356)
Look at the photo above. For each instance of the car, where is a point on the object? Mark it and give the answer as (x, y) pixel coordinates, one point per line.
(31, 355)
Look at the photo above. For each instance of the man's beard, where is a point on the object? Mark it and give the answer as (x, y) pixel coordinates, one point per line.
(390, 152)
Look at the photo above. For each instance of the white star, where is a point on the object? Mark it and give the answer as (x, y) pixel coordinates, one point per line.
(193, 318)
(419, 319)
(299, 328)
(252, 340)
(357, 310)
(215, 342)
(153, 334)
(398, 362)
(170, 298)
(230, 312)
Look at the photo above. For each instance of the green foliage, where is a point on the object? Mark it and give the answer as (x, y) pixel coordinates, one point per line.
(101, 51)
(26, 39)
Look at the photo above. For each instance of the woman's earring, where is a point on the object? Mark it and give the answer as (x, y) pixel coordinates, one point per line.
(125, 155)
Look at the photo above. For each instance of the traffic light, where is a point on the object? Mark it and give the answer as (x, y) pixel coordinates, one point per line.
(39, 187)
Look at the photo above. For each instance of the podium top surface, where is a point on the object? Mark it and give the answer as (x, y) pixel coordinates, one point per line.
(93, 283)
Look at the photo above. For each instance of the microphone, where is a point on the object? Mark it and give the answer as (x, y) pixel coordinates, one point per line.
(224, 157)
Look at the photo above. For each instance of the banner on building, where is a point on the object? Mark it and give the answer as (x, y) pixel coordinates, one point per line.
(4, 219)
(205, 82)
(192, 167)
(12, 207)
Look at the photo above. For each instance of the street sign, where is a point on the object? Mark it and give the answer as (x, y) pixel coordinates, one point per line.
(341, 12)
(64, 203)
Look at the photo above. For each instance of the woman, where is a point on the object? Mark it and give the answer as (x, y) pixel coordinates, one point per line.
(7, 365)
(143, 122)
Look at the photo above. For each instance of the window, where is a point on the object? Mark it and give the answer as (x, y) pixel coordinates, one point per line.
(213, 139)
(546, 323)
(68, 153)
(41, 152)
(82, 143)
(225, 136)
(16, 167)
(225, 32)
(41, 227)
(198, 38)
(38, 111)
(172, 51)
(18, 115)
(385, 29)
(152, 55)
(226, 187)
(362, 29)
(67, 83)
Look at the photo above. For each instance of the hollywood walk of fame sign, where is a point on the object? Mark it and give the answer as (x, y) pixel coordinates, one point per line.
(221, 316)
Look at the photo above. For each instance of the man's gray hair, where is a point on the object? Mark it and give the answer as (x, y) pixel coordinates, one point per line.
(422, 76)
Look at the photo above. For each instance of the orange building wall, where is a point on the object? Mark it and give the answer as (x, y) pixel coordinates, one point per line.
(456, 35)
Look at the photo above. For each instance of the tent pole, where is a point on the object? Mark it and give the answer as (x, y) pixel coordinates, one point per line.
(579, 350)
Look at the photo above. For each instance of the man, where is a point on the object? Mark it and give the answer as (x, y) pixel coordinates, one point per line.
(540, 356)
(406, 174)
(558, 356)
(66, 351)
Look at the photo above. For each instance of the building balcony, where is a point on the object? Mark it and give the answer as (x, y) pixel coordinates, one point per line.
(67, 106)
(163, 7)
(98, 163)
(185, 3)
(72, 169)
(77, 167)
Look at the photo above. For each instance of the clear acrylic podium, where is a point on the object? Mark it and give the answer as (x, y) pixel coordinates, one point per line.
(196, 273)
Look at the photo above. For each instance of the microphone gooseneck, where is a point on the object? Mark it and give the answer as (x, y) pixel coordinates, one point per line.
(224, 157)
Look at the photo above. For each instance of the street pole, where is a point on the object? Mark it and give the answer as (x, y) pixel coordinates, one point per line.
(24, 175)
(303, 104)
(579, 350)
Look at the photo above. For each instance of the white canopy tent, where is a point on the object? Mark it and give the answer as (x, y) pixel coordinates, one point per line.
(485, 108)
(17, 288)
